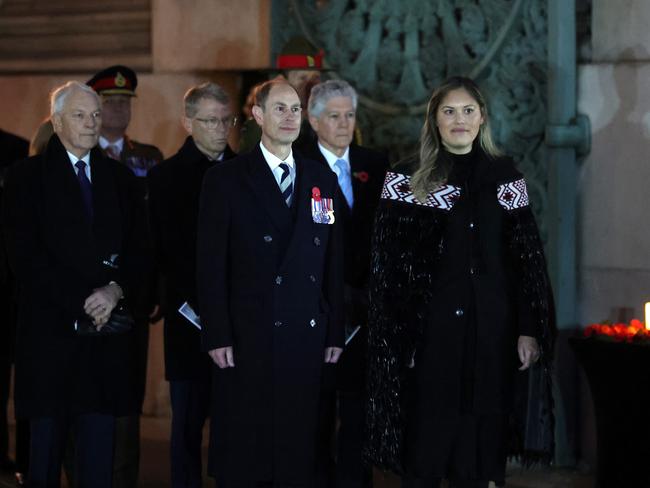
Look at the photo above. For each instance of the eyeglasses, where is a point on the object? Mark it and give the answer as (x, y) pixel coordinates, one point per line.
(214, 122)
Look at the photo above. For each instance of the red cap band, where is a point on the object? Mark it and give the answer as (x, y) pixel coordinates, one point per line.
(300, 61)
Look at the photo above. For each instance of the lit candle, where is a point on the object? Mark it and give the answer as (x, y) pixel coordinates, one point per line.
(647, 315)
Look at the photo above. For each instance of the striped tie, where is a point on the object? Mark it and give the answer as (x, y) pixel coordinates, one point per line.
(285, 183)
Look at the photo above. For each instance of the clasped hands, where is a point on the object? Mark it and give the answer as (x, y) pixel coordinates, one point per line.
(223, 356)
(101, 303)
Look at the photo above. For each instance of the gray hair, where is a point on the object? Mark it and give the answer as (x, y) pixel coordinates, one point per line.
(60, 94)
(208, 90)
(324, 92)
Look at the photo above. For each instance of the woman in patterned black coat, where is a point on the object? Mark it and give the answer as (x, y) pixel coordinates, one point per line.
(460, 301)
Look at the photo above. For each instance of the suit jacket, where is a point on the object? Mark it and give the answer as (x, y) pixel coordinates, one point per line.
(174, 190)
(270, 284)
(59, 258)
(368, 170)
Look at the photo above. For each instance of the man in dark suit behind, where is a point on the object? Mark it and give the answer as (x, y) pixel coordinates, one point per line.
(360, 173)
(174, 190)
(270, 290)
(68, 220)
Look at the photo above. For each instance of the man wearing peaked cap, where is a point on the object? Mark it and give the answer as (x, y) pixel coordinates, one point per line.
(116, 86)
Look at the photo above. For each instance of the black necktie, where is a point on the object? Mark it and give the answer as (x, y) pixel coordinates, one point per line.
(86, 187)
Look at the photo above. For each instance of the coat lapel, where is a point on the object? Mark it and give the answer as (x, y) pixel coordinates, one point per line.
(267, 192)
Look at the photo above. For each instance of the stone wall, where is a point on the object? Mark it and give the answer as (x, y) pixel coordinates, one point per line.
(614, 184)
(191, 42)
(614, 179)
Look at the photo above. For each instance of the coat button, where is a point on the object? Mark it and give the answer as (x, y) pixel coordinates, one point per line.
(471, 225)
(312, 278)
(312, 322)
(459, 312)
(278, 323)
(317, 241)
(471, 271)
(268, 238)
(278, 280)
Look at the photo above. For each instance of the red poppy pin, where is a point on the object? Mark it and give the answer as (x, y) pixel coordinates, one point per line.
(362, 176)
(315, 193)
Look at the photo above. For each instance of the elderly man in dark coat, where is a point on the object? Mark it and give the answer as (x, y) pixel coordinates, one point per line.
(68, 221)
(270, 295)
(360, 172)
(174, 190)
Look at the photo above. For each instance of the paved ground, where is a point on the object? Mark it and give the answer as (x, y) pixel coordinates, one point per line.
(155, 467)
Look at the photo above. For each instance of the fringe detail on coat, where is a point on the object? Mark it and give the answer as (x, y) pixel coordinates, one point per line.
(533, 423)
(400, 287)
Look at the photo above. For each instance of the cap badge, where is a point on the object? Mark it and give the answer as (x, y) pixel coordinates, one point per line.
(120, 81)
(310, 61)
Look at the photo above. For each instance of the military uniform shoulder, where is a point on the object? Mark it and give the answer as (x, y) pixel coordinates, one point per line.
(142, 149)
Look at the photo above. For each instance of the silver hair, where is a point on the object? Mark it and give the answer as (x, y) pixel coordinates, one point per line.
(208, 90)
(59, 95)
(324, 92)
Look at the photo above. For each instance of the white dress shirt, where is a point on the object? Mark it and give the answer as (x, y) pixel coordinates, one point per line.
(85, 159)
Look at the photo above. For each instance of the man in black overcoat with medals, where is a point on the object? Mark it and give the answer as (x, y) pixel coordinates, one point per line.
(270, 289)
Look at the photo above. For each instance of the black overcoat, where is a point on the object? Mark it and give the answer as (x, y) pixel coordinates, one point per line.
(270, 285)
(174, 191)
(58, 258)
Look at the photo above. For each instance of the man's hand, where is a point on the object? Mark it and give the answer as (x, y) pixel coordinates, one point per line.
(332, 354)
(528, 350)
(223, 357)
(101, 303)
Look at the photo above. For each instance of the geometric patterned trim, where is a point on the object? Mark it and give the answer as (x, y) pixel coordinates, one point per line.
(398, 187)
(513, 195)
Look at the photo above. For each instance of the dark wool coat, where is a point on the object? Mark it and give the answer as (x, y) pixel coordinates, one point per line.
(174, 191)
(270, 284)
(468, 260)
(58, 258)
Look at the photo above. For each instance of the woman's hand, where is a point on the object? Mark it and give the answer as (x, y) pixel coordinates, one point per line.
(528, 350)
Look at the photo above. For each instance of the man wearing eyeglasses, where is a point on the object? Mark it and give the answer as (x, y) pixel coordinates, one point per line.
(270, 289)
(174, 188)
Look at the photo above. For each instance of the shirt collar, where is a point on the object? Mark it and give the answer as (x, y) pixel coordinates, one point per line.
(74, 159)
(332, 158)
(273, 161)
(119, 144)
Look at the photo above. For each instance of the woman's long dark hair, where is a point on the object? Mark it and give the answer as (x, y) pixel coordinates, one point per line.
(429, 174)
